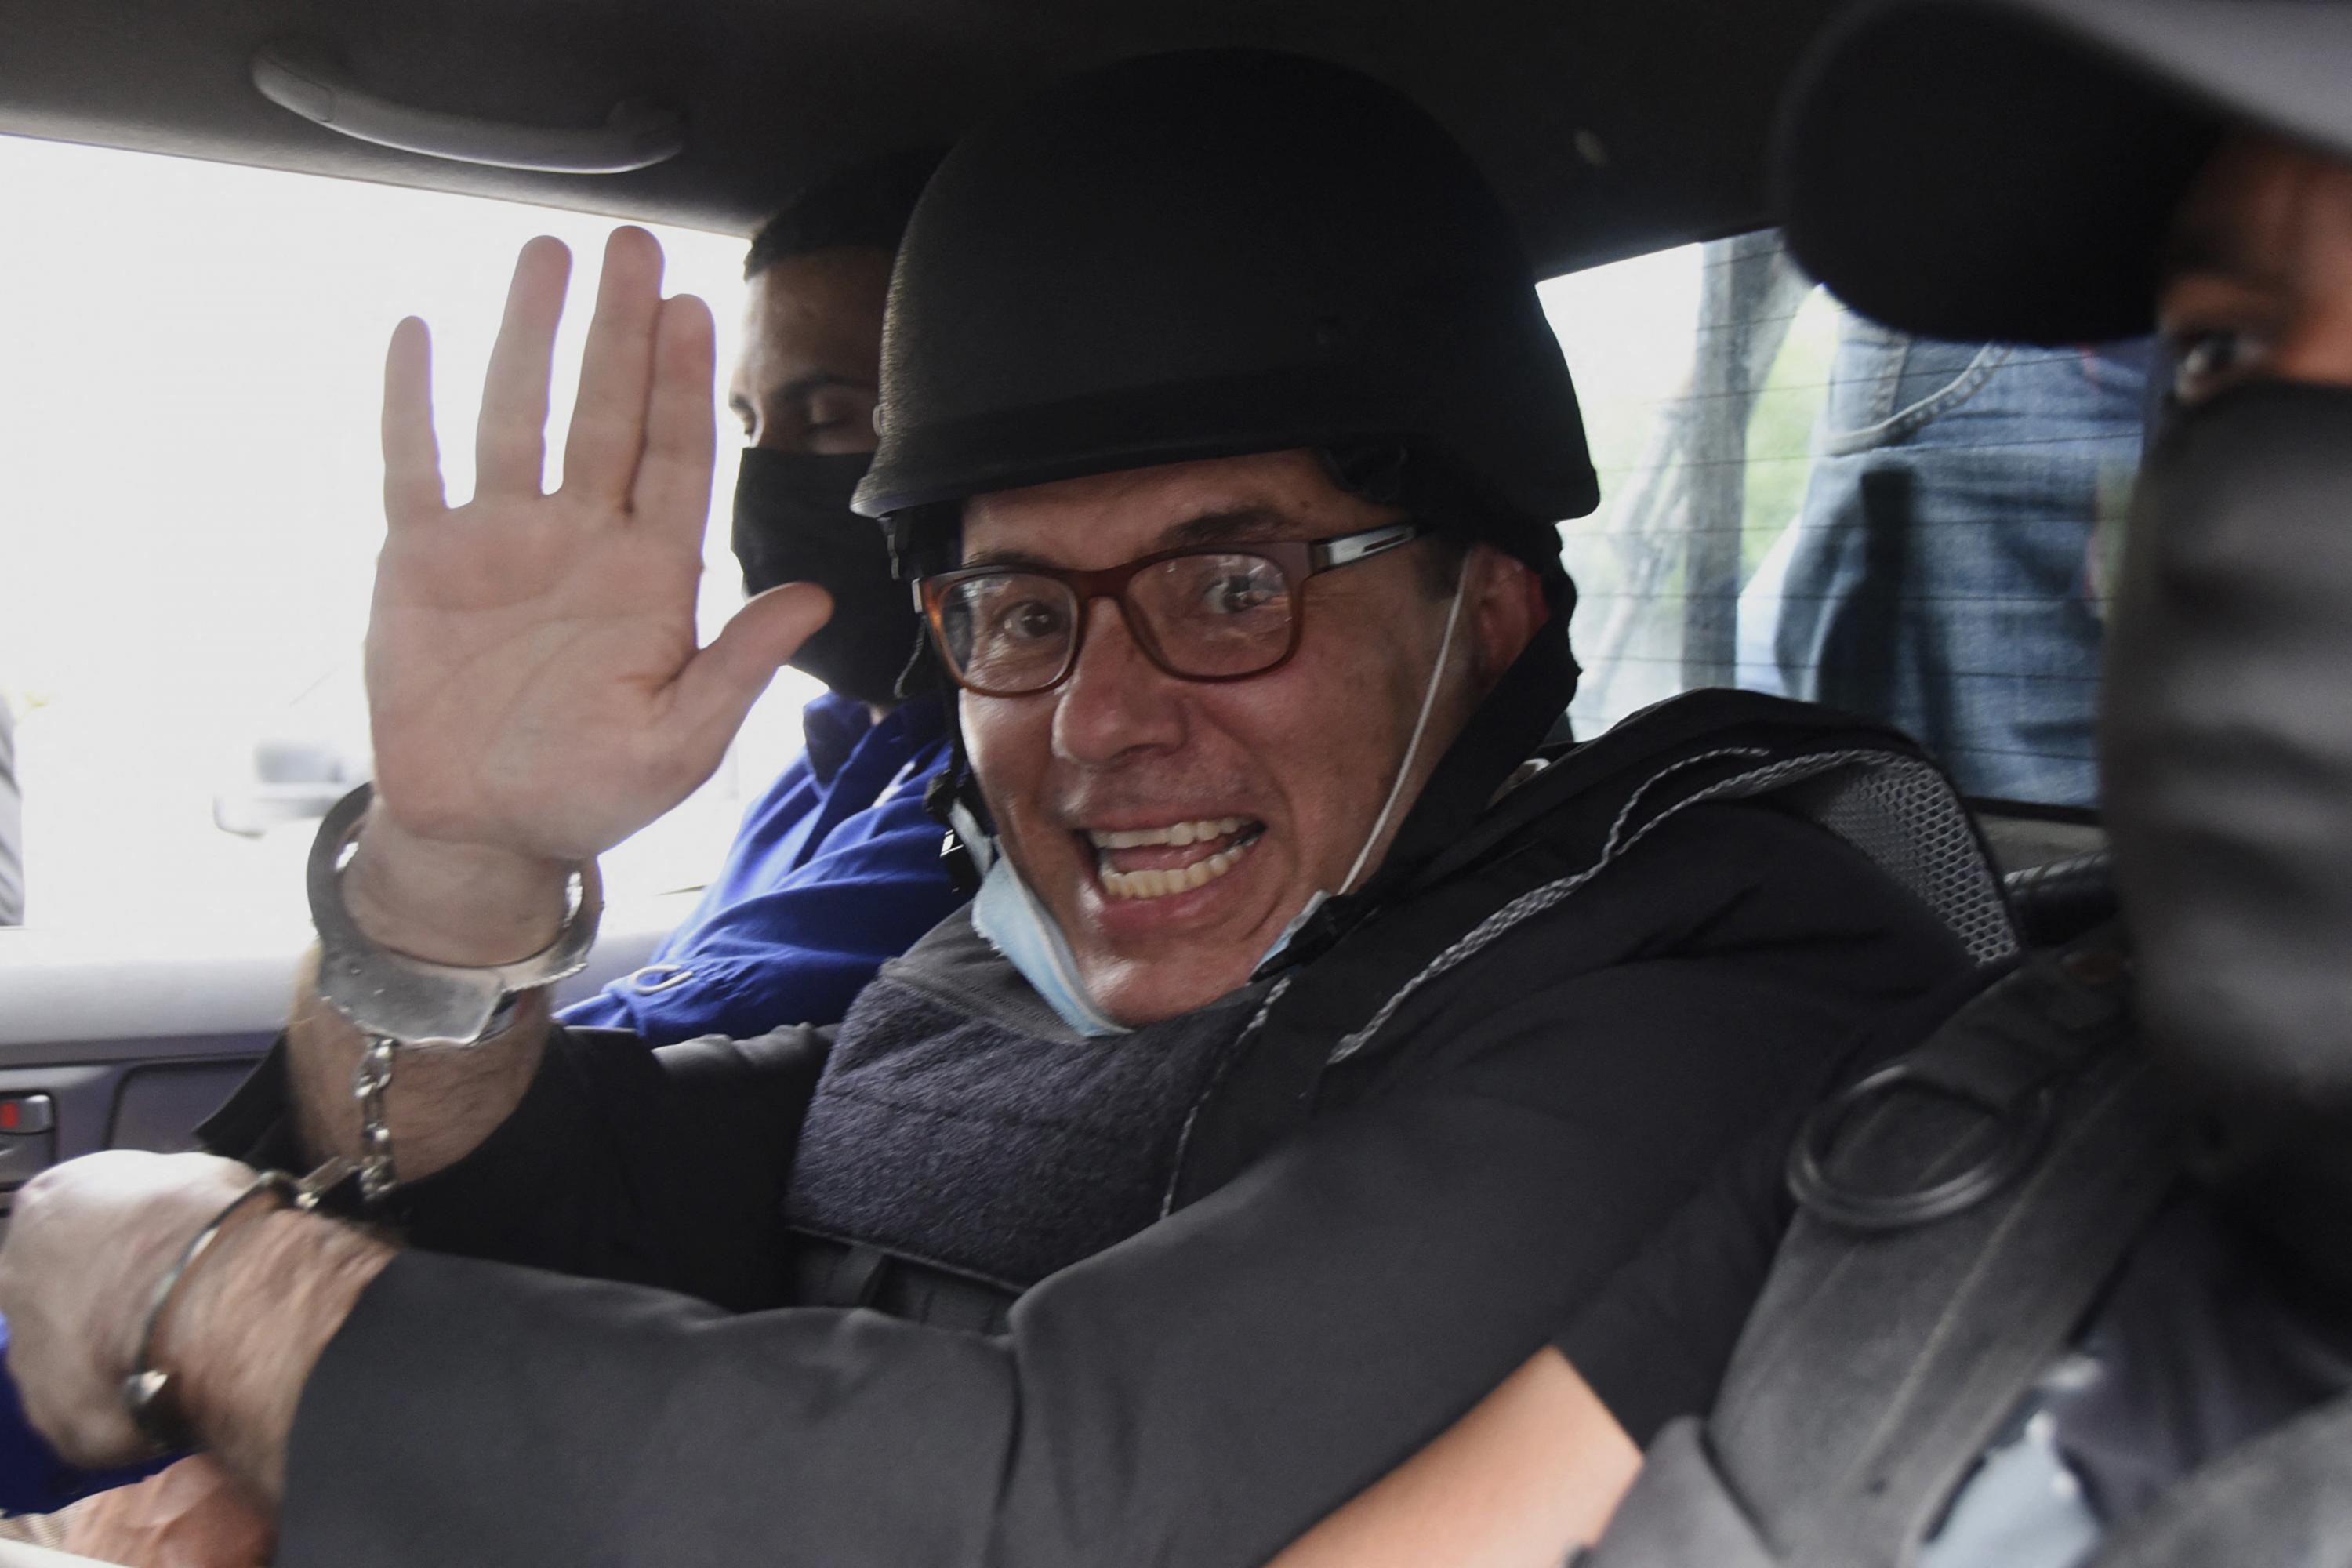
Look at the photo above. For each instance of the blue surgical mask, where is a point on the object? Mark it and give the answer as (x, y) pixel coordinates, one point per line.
(1015, 923)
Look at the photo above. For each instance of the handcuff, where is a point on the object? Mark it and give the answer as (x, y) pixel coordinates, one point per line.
(396, 1002)
(148, 1394)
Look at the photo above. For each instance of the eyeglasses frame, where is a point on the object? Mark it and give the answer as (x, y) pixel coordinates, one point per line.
(1298, 559)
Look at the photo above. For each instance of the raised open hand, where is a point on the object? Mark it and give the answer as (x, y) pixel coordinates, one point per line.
(534, 679)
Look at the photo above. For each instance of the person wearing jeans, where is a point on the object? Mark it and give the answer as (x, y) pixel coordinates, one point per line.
(1984, 470)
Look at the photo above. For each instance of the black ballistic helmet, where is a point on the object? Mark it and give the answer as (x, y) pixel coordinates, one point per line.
(1214, 253)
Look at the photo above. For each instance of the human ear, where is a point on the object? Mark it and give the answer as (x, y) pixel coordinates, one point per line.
(1505, 604)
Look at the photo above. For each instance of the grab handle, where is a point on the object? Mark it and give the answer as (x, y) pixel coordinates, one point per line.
(635, 136)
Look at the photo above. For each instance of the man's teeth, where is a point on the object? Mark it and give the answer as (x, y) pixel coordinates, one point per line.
(1155, 884)
(1177, 832)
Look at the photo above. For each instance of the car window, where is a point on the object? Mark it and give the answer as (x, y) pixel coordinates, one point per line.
(1797, 501)
(189, 513)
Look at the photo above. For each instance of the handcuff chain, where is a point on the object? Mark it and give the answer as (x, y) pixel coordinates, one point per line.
(369, 1083)
(395, 1000)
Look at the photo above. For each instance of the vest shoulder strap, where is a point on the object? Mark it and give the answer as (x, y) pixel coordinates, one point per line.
(1962, 1209)
(1679, 1514)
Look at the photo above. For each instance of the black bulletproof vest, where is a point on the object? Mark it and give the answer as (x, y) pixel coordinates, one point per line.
(962, 1128)
(1961, 1210)
(963, 1142)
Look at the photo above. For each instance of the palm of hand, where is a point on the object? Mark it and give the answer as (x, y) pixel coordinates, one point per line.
(533, 676)
(552, 647)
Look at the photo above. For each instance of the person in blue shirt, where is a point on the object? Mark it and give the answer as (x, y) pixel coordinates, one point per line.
(836, 868)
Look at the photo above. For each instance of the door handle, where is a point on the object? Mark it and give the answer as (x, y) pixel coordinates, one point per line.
(28, 1137)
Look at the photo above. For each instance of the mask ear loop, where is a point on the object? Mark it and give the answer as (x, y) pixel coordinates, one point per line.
(952, 798)
(1420, 725)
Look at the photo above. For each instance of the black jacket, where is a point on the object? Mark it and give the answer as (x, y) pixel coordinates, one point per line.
(1633, 1045)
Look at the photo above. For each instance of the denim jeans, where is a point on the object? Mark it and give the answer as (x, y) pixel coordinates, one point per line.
(1942, 576)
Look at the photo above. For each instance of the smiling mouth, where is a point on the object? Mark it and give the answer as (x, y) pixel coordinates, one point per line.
(1157, 862)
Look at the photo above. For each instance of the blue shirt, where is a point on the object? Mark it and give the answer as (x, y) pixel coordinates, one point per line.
(835, 869)
(33, 1480)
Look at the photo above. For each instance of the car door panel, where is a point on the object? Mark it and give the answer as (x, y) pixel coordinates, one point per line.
(112, 1049)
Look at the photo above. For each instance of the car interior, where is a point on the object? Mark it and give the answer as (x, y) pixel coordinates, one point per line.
(1627, 139)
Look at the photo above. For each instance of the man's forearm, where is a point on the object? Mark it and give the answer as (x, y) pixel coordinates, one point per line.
(245, 1329)
(441, 1103)
(448, 904)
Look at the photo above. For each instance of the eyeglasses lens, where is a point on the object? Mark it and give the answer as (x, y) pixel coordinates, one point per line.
(1216, 616)
(1211, 616)
(1008, 633)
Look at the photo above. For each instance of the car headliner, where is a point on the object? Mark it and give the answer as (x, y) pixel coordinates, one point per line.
(1610, 129)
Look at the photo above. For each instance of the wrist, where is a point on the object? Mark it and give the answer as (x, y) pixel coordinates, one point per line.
(182, 1266)
(241, 1341)
(152, 1252)
(469, 905)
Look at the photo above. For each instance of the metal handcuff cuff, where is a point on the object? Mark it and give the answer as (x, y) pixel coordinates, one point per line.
(394, 1001)
(148, 1394)
(397, 1001)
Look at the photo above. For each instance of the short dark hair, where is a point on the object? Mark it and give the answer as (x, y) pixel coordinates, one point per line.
(1441, 495)
(863, 205)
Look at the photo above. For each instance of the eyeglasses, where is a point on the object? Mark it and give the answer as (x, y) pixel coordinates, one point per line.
(1214, 614)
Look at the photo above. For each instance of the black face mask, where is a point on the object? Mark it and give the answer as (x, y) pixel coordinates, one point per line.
(793, 524)
(2226, 740)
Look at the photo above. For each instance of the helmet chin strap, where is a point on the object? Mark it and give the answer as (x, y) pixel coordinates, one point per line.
(1413, 746)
